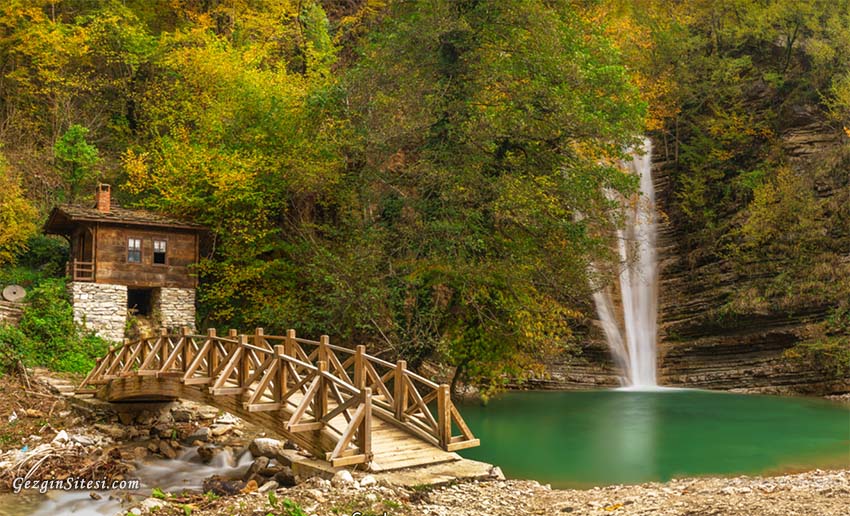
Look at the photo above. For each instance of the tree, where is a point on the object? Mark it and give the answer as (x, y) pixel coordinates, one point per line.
(487, 129)
(17, 215)
(76, 158)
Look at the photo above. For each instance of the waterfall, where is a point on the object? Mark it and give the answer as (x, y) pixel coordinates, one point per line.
(635, 351)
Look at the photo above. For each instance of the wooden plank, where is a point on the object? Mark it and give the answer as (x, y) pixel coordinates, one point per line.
(226, 391)
(263, 407)
(348, 461)
(461, 424)
(308, 426)
(345, 438)
(472, 443)
(305, 402)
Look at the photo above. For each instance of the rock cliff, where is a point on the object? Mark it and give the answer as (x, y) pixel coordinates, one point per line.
(698, 346)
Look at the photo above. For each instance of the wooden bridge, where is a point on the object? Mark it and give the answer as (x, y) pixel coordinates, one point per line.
(340, 404)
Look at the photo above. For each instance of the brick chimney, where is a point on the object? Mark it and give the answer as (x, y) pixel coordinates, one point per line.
(103, 198)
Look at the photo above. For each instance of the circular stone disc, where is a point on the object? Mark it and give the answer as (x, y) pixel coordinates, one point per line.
(14, 293)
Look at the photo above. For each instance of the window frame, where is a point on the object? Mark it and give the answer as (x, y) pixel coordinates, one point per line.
(140, 249)
(164, 240)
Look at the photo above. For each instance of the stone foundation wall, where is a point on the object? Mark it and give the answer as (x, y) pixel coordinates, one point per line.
(101, 308)
(174, 307)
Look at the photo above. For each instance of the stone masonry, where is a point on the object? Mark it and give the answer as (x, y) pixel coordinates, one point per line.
(175, 307)
(101, 308)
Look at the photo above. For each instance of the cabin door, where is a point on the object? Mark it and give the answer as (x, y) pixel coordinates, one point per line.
(84, 255)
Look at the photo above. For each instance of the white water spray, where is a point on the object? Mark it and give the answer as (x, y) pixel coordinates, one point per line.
(638, 282)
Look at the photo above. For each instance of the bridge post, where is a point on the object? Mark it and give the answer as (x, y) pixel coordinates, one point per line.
(258, 337)
(400, 394)
(321, 407)
(211, 362)
(182, 343)
(444, 415)
(289, 344)
(243, 373)
(232, 333)
(324, 341)
(282, 374)
(359, 371)
(364, 436)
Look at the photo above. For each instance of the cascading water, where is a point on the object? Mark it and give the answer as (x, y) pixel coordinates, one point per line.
(638, 282)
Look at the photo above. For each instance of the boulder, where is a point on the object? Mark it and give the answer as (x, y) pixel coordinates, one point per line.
(368, 481)
(167, 450)
(223, 486)
(285, 477)
(254, 470)
(181, 415)
(265, 447)
(113, 431)
(342, 478)
(271, 485)
(201, 434)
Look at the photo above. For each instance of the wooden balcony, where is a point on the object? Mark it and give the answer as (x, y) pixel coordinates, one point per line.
(82, 271)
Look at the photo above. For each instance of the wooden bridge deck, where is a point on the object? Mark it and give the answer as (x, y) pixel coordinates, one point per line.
(342, 405)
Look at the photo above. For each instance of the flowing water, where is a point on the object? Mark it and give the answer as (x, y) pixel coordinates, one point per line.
(635, 352)
(187, 472)
(588, 438)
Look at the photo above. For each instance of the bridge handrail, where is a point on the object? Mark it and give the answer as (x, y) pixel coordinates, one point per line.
(267, 370)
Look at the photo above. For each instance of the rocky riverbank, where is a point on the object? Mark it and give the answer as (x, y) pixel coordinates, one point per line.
(816, 493)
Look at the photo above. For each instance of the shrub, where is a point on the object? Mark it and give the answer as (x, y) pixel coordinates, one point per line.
(47, 334)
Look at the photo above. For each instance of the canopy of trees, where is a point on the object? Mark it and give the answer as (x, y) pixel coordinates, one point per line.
(425, 176)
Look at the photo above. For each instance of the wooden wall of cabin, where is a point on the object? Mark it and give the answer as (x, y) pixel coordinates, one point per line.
(113, 266)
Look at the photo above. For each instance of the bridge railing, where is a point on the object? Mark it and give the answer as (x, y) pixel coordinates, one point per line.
(326, 386)
(400, 396)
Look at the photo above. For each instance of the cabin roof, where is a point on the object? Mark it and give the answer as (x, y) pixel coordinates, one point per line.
(64, 218)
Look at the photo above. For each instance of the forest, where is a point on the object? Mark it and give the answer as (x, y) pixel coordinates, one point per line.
(431, 177)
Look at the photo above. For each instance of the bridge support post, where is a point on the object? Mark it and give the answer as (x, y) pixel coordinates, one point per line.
(289, 344)
(282, 374)
(324, 342)
(400, 393)
(359, 364)
(364, 436)
(259, 338)
(321, 403)
(211, 354)
(444, 415)
(244, 363)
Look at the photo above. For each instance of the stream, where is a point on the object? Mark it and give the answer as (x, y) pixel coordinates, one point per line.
(186, 472)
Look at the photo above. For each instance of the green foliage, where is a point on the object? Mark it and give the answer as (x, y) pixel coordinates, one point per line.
(76, 157)
(16, 216)
(290, 508)
(47, 334)
(45, 255)
(828, 344)
(158, 493)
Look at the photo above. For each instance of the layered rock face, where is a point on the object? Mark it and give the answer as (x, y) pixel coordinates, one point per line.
(698, 349)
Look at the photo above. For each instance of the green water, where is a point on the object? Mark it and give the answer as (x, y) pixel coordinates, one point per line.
(579, 439)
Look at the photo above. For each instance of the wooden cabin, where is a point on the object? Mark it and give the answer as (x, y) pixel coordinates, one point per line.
(128, 261)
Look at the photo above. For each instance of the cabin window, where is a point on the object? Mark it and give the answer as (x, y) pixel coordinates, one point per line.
(134, 250)
(159, 252)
